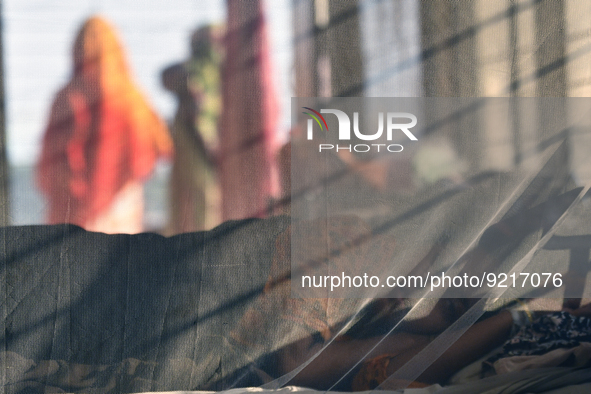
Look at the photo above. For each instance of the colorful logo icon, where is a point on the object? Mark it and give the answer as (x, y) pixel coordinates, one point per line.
(315, 115)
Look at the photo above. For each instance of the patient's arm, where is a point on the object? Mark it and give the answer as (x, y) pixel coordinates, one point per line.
(478, 340)
(342, 355)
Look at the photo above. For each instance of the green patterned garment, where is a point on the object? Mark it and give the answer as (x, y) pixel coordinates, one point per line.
(204, 69)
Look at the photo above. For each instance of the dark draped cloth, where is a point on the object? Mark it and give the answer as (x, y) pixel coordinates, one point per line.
(124, 313)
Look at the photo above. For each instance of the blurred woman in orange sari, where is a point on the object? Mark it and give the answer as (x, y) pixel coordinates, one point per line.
(102, 141)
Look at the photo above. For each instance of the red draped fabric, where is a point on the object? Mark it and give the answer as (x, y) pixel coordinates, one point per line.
(248, 176)
(102, 133)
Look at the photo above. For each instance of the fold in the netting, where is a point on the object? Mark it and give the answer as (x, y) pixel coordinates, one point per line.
(419, 363)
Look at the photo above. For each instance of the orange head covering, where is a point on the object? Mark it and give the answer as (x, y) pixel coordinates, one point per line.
(102, 132)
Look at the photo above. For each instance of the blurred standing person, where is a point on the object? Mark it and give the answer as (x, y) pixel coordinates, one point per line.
(194, 192)
(248, 127)
(102, 140)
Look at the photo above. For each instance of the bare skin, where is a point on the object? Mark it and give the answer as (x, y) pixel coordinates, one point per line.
(342, 355)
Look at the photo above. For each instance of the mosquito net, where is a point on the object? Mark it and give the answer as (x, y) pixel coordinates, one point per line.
(395, 238)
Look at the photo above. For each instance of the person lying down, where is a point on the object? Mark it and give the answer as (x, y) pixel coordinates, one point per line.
(362, 356)
(212, 310)
(360, 364)
(323, 348)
